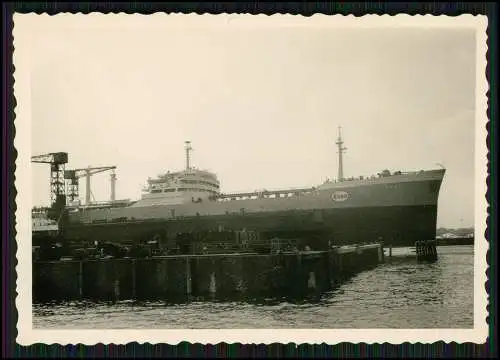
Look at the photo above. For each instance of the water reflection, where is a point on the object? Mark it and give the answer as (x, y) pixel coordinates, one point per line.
(398, 294)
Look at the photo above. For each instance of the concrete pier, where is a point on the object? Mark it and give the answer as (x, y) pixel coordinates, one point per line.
(213, 276)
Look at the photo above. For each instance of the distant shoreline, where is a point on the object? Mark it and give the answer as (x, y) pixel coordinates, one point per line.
(459, 240)
(460, 236)
(466, 240)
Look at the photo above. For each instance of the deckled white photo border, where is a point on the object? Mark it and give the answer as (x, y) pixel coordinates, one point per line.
(26, 24)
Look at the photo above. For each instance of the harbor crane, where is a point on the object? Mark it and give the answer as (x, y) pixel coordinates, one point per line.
(57, 163)
(73, 175)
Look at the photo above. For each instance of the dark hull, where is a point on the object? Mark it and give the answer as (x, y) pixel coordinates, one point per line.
(396, 225)
(43, 237)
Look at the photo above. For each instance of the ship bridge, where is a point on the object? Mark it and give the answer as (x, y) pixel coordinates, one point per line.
(180, 187)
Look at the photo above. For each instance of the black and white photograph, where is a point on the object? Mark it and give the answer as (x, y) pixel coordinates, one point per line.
(249, 178)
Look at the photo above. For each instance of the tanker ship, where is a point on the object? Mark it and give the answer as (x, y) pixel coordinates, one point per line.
(398, 208)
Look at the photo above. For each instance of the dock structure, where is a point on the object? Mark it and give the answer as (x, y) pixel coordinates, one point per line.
(426, 251)
(179, 277)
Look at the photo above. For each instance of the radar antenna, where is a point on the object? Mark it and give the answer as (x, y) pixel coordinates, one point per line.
(341, 150)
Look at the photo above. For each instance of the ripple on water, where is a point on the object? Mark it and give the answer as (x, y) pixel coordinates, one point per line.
(401, 294)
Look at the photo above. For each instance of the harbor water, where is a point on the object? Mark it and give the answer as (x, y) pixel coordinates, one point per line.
(400, 293)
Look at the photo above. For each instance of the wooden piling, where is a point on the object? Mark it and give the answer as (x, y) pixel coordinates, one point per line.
(80, 280)
(116, 289)
(213, 284)
(188, 277)
(311, 281)
(330, 264)
(134, 274)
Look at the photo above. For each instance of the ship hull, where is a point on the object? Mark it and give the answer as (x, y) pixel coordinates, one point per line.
(397, 210)
(396, 225)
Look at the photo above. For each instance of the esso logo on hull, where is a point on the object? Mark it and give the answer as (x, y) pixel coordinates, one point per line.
(340, 196)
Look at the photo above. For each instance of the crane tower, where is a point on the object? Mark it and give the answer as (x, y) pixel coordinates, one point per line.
(57, 163)
(73, 175)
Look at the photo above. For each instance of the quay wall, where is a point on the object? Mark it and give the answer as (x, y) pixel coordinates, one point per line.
(217, 275)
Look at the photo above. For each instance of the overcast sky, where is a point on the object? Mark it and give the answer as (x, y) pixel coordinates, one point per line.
(260, 105)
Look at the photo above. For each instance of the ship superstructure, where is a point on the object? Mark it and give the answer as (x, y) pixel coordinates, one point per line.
(180, 187)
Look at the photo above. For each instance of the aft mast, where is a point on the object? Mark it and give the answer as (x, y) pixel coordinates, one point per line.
(340, 150)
